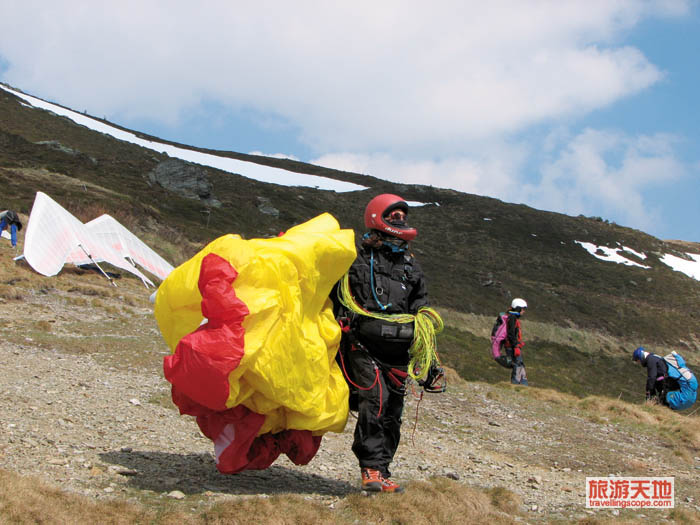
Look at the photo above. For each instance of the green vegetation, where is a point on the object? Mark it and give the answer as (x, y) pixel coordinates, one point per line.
(473, 265)
(549, 365)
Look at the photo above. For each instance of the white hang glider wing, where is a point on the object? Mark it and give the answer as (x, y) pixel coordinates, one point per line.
(54, 237)
(113, 234)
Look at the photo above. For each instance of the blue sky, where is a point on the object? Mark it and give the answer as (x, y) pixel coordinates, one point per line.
(583, 107)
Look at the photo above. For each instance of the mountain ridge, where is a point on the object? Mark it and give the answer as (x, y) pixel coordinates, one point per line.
(478, 252)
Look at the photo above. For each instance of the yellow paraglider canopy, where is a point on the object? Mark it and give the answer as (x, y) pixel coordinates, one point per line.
(287, 371)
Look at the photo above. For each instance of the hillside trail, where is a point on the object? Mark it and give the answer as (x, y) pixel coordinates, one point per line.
(91, 425)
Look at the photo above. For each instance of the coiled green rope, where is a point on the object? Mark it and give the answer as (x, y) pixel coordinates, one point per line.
(427, 323)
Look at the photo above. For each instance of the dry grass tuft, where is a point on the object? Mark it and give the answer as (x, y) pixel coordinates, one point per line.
(437, 501)
(277, 510)
(684, 516)
(679, 428)
(27, 500)
(505, 500)
(10, 292)
(453, 378)
(552, 396)
(613, 407)
(43, 326)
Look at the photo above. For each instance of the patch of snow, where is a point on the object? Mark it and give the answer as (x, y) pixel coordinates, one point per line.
(609, 254)
(487, 219)
(240, 167)
(633, 252)
(690, 268)
(414, 204)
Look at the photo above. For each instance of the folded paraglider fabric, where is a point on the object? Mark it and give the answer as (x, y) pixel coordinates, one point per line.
(253, 340)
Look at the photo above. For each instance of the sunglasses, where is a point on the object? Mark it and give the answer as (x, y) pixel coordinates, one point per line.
(396, 215)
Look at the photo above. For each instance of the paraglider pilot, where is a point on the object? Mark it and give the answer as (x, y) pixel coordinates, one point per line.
(384, 279)
(11, 219)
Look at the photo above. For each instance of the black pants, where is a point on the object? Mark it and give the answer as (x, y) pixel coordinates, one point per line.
(377, 433)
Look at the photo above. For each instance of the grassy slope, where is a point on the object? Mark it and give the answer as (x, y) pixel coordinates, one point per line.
(521, 251)
(122, 330)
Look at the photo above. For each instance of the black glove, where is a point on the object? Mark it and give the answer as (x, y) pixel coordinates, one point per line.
(435, 382)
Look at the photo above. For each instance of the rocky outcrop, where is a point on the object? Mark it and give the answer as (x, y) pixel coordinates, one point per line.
(186, 179)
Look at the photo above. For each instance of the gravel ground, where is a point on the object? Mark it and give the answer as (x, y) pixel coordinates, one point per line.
(107, 429)
(94, 430)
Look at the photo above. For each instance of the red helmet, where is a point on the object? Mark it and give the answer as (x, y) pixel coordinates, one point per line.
(381, 206)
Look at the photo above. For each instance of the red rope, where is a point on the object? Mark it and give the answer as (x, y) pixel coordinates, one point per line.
(376, 380)
(415, 423)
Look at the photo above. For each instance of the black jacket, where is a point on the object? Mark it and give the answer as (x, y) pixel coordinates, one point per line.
(380, 277)
(390, 282)
(656, 369)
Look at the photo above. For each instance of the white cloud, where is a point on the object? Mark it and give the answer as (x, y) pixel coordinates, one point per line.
(393, 76)
(435, 93)
(608, 172)
(597, 172)
(491, 171)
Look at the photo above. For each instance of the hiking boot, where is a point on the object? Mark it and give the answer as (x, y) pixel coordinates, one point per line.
(373, 481)
(391, 486)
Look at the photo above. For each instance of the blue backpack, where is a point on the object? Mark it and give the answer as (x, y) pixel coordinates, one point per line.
(687, 382)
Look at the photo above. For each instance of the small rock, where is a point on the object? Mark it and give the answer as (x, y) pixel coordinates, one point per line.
(535, 479)
(176, 494)
(494, 424)
(169, 482)
(534, 508)
(108, 489)
(135, 402)
(451, 474)
(126, 449)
